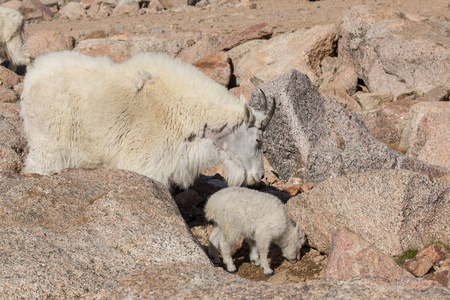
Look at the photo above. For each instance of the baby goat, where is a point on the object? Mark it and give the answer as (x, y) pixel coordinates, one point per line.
(261, 218)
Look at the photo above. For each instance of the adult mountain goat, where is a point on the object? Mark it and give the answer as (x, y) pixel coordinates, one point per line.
(12, 46)
(152, 114)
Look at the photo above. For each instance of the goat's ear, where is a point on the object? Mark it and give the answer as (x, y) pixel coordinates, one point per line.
(141, 78)
(249, 117)
(216, 135)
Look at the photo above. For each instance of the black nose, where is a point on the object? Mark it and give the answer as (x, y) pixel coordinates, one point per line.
(262, 177)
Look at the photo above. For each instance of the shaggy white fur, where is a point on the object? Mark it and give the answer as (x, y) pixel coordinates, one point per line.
(152, 114)
(260, 217)
(12, 46)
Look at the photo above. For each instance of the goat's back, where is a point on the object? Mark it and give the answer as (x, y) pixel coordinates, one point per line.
(244, 206)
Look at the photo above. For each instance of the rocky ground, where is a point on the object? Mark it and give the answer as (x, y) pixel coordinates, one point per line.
(284, 16)
(349, 55)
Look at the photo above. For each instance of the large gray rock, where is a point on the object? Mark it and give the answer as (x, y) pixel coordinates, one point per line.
(189, 281)
(394, 210)
(76, 233)
(315, 138)
(12, 141)
(392, 53)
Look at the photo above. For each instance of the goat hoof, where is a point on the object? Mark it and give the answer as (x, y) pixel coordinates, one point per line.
(256, 263)
(269, 274)
(232, 271)
(215, 261)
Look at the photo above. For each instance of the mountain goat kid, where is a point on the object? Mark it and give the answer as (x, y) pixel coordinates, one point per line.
(261, 218)
(153, 114)
(12, 46)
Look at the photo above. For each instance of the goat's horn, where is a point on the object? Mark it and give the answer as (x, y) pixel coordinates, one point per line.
(269, 115)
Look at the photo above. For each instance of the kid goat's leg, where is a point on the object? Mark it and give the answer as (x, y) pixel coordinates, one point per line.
(254, 255)
(213, 248)
(225, 247)
(263, 243)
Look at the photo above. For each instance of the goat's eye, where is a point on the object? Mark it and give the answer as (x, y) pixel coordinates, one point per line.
(259, 143)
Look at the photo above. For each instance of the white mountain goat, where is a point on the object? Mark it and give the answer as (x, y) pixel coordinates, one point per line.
(12, 46)
(260, 217)
(152, 114)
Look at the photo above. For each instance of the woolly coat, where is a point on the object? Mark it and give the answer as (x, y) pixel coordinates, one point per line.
(142, 115)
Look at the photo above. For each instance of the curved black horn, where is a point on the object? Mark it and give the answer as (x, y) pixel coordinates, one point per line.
(269, 115)
(265, 100)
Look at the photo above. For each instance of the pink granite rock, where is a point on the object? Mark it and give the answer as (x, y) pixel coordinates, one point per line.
(44, 42)
(258, 31)
(337, 79)
(243, 90)
(8, 78)
(436, 253)
(8, 96)
(427, 136)
(121, 47)
(12, 141)
(418, 266)
(390, 120)
(424, 260)
(391, 52)
(216, 66)
(78, 232)
(190, 281)
(204, 47)
(72, 11)
(395, 210)
(34, 9)
(302, 50)
(351, 256)
(442, 277)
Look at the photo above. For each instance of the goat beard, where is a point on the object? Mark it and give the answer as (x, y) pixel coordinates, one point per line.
(234, 172)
